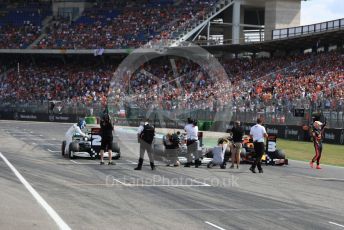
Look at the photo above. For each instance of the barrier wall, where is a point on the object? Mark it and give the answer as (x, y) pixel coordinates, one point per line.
(38, 117)
(294, 132)
(291, 132)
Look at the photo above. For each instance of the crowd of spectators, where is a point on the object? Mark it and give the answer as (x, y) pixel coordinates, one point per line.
(299, 81)
(52, 79)
(282, 83)
(18, 37)
(110, 25)
(183, 85)
(21, 23)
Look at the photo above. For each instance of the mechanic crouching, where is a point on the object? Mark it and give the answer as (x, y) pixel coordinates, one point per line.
(73, 130)
(172, 144)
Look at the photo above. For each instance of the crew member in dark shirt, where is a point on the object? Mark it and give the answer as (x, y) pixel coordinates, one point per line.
(238, 133)
(107, 138)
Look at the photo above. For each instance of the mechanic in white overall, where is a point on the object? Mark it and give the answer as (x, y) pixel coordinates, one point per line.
(75, 129)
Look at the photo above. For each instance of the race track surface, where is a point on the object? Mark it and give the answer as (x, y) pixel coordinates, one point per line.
(86, 195)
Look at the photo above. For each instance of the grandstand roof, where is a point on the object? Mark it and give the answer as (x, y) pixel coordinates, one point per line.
(297, 43)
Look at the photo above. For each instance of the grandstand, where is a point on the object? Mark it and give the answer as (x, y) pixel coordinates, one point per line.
(114, 24)
(64, 63)
(68, 51)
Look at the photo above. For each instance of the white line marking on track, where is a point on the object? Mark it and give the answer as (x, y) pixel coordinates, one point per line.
(52, 213)
(117, 163)
(52, 151)
(214, 225)
(32, 139)
(307, 163)
(118, 181)
(131, 162)
(161, 185)
(339, 225)
(204, 184)
(324, 178)
(128, 139)
(97, 162)
(21, 134)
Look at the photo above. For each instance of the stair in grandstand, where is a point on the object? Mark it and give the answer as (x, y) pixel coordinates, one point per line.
(196, 27)
(45, 23)
(178, 2)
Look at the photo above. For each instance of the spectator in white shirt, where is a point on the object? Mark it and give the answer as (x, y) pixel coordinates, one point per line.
(191, 130)
(258, 134)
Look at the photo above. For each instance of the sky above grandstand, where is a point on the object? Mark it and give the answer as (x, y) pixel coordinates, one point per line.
(314, 11)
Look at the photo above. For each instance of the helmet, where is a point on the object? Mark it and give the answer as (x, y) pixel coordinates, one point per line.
(106, 117)
(82, 124)
(317, 125)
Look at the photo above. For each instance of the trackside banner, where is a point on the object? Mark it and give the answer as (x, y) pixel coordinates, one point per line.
(291, 132)
(21, 116)
(294, 132)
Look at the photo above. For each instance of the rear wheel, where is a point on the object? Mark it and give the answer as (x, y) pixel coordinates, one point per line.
(115, 147)
(278, 154)
(73, 147)
(159, 150)
(116, 151)
(63, 147)
(243, 153)
(209, 153)
(210, 165)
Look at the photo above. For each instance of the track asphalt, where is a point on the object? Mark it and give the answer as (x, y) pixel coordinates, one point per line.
(81, 194)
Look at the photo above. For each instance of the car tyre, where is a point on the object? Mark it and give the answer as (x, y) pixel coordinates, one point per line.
(115, 147)
(63, 147)
(73, 147)
(210, 165)
(278, 154)
(159, 150)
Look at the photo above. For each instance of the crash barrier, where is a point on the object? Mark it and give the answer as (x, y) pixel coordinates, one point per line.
(272, 111)
(294, 132)
(291, 132)
(23, 116)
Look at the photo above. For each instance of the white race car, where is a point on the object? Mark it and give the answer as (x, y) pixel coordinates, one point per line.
(85, 147)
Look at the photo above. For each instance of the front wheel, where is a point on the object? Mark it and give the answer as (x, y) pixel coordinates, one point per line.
(63, 147)
(73, 147)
